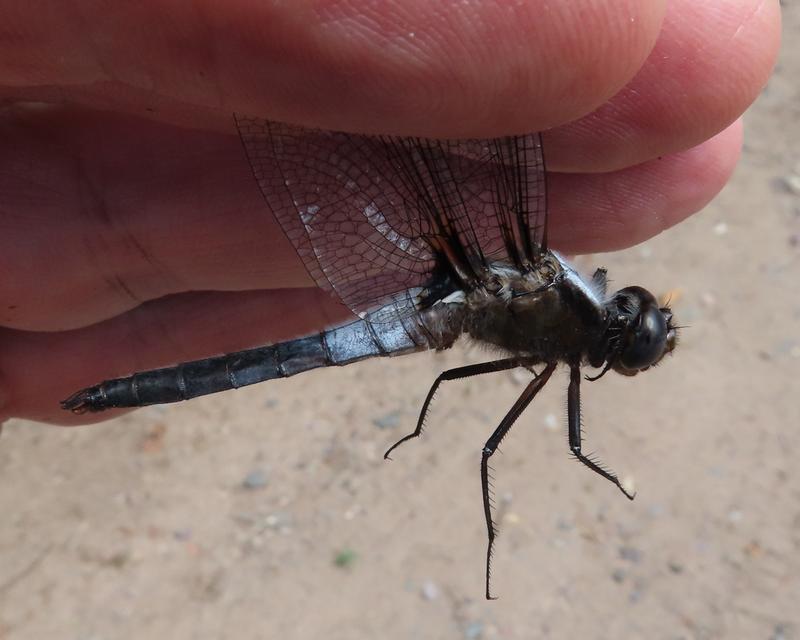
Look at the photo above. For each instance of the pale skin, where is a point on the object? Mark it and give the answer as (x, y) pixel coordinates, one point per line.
(133, 235)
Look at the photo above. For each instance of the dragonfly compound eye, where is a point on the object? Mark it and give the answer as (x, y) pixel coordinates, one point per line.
(646, 339)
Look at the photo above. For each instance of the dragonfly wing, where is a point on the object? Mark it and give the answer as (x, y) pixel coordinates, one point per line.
(378, 220)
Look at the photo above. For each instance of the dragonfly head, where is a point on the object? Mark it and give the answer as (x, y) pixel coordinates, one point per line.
(641, 332)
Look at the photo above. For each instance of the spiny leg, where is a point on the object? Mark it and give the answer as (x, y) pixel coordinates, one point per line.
(574, 427)
(491, 446)
(457, 374)
(600, 280)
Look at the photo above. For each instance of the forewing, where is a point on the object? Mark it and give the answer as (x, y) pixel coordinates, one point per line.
(376, 217)
(503, 184)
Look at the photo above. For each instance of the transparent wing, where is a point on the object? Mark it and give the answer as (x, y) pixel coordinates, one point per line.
(378, 219)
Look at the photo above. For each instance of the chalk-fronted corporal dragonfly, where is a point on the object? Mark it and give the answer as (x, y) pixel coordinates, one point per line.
(425, 241)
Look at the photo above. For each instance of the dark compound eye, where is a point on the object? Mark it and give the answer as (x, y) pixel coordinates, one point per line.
(646, 339)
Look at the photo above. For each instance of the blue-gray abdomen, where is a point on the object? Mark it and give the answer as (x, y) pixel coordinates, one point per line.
(336, 347)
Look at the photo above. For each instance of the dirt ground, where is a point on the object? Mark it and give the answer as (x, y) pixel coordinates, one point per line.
(269, 512)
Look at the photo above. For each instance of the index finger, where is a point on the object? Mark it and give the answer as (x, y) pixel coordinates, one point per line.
(441, 69)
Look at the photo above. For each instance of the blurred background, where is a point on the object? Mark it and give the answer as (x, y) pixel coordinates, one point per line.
(269, 512)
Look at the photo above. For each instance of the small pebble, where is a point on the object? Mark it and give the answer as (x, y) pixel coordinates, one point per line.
(720, 229)
(562, 524)
(154, 439)
(278, 521)
(551, 422)
(256, 479)
(675, 567)
(631, 554)
(708, 299)
(430, 591)
(352, 512)
(791, 183)
(735, 515)
(787, 347)
(474, 630)
(636, 594)
(345, 558)
(390, 420)
(753, 549)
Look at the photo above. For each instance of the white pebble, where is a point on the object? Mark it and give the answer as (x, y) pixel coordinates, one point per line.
(430, 591)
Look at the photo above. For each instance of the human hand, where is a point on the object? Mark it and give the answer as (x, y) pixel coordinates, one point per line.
(134, 235)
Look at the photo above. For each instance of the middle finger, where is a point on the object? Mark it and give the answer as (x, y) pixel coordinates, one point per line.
(161, 210)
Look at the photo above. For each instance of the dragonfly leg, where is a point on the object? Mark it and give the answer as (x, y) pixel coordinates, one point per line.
(488, 451)
(456, 374)
(574, 426)
(600, 280)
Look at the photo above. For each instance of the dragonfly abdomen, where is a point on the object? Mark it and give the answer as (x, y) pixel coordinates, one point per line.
(336, 347)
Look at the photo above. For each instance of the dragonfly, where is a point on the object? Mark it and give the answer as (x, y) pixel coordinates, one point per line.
(426, 241)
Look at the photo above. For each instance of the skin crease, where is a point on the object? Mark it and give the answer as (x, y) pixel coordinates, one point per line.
(133, 235)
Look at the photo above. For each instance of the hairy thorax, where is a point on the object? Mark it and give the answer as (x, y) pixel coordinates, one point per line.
(530, 314)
